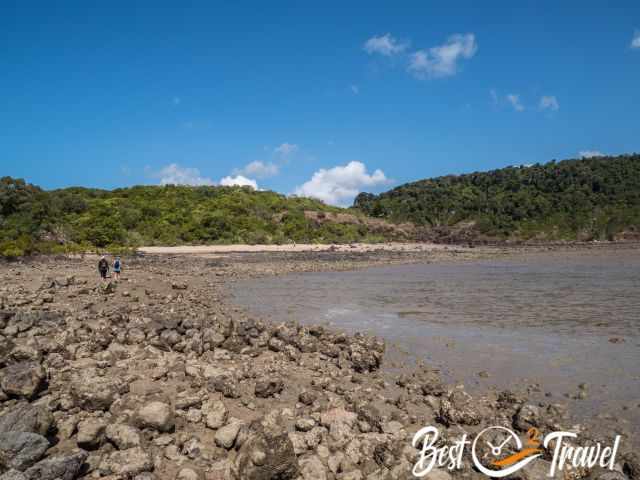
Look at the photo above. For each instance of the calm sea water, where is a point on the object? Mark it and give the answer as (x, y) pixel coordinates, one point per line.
(557, 319)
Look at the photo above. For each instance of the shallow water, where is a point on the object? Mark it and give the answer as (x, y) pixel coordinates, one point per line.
(557, 319)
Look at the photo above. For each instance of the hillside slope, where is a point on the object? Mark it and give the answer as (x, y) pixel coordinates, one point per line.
(580, 199)
(34, 220)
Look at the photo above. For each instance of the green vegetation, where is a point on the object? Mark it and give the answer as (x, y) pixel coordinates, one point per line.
(596, 198)
(585, 199)
(80, 219)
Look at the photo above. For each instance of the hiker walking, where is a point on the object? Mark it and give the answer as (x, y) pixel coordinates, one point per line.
(103, 268)
(117, 267)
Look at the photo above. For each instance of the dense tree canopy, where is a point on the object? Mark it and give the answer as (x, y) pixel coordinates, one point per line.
(595, 198)
(592, 198)
(34, 220)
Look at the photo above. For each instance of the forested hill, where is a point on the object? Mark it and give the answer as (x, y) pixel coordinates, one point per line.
(585, 199)
(33, 220)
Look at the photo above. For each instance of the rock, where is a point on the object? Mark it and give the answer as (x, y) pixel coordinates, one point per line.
(61, 467)
(127, 463)
(370, 414)
(193, 415)
(305, 424)
(600, 473)
(25, 417)
(90, 433)
(108, 288)
(365, 353)
(225, 384)
(269, 387)
(179, 285)
(226, 436)
(431, 383)
(307, 397)
(187, 474)
(123, 436)
(439, 474)
(339, 422)
(23, 379)
(20, 450)
(156, 415)
(92, 391)
(13, 475)
(215, 414)
(185, 400)
(312, 468)
(528, 416)
(393, 427)
(631, 465)
(267, 454)
(458, 408)
(352, 475)
(539, 469)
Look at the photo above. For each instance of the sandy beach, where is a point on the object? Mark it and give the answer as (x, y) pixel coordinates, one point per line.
(296, 248)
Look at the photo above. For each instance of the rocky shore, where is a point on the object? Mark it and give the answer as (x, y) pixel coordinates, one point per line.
(159, 376)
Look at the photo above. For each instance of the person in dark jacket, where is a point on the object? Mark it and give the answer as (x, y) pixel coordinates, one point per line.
(103, 268)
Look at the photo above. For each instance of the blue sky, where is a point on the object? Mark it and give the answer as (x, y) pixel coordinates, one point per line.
(320, 98)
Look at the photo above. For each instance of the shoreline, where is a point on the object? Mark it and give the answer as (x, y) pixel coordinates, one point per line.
(171, 333)
(367, 247)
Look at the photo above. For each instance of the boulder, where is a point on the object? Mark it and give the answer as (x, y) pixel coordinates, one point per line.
(365, 353)
(215, 413)
(25, 417)
(312, 468)
(226, 436)
(600, 473)
(458, 408)
(123, 436)
(13, 475)
(528, 416)
(268, 387)
(225, 384)
(23, 379)
(20, 450)
(61, 467)
(631, 465)
(156, 415)
(93, 392)
(307, 397)
(266, 454)
(187, 474)
(126, 463)
(90, 433)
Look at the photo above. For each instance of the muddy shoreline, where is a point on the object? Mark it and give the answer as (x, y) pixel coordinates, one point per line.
(162, 376)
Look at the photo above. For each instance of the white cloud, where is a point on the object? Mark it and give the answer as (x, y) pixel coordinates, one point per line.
(339, 185)
(384, 45)
(355, 89)
(514, 100)
(240, 181)
(174, 174)
(442, 60)
(590, 153)
(635, 41)
(286, 149)
(549, 103)
(258, 169)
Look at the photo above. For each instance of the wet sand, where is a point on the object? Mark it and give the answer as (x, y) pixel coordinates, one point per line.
(564, 323)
